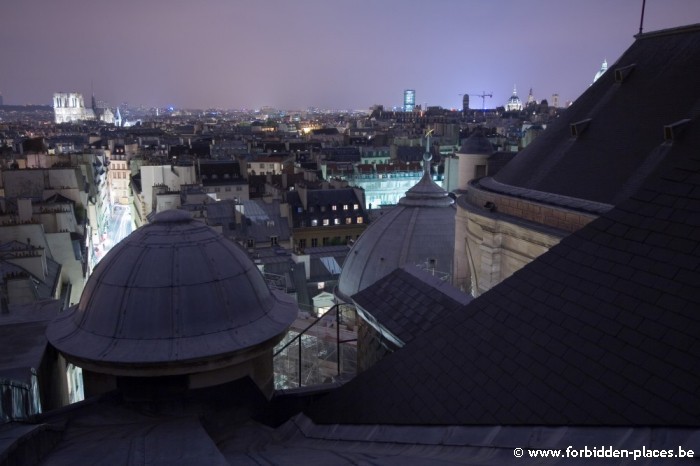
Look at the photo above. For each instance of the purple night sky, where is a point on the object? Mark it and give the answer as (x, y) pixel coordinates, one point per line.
(324, 53)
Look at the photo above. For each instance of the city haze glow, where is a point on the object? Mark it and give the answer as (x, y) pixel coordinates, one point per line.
(324, 53)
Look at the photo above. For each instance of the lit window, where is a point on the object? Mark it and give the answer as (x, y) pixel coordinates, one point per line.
(336, 221)
(314, 222)
(348, 221)
(345, 207)
(355, 206)
(326, 222)
(335, 207)
(359, 219)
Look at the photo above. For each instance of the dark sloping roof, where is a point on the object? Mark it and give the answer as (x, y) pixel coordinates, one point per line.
(22, 338)
(409, 300)
(476, 143)
(603, 329)
(658, 89)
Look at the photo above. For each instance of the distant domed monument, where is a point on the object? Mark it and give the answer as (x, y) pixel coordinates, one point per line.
(514, 103)
(175, 304)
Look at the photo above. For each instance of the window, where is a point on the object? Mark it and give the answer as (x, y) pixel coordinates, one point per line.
(355, 206)
(228, 188)
(238, 188)
(348, 221)
(300, 209)
(326, 222)
(348, 239)
(251, 243)
(314, 242)
(334, 207)
(302, 243)
(273, 241)
(326, 241)
(314, 222)
(345, 207)
(336, 221)
(359, 219)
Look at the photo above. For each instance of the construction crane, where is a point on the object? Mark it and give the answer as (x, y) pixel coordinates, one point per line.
(483, 96)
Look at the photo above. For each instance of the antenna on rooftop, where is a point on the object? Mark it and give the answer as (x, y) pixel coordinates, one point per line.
(641, 21)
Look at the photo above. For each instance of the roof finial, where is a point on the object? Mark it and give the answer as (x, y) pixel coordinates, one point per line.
(427, 156)
(641, 20)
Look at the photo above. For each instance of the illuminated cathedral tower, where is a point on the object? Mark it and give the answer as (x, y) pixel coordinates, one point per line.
(70, 106)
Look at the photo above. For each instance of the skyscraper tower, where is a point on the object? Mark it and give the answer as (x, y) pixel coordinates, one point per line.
(409, 100)
(465, 104)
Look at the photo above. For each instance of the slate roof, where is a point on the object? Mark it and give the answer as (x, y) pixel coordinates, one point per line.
(658, 89)
(173, 291)
(263, 220)
(603, 329)
(409, 301)
(22, 338)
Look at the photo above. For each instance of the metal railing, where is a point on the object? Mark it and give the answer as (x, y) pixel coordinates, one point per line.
(315, 347)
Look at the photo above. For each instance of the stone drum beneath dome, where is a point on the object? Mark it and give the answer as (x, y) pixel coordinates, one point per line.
(175, 300)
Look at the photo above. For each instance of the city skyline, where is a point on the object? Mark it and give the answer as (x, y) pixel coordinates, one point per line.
(326, 54)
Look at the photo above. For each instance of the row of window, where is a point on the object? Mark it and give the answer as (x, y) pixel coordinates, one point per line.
(218, 189)
(328, 222)
(325, 241)
(334, 207)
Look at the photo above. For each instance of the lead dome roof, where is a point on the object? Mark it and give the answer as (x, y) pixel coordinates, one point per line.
(420, 228)
(476, 144)
(174, 290)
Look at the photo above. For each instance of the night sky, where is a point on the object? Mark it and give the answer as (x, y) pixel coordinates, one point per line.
(335, 54)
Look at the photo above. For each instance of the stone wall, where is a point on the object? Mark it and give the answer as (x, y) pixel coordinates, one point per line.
(496, 235)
